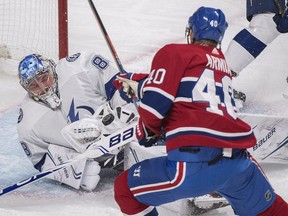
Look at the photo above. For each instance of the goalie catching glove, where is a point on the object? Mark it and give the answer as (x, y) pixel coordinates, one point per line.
(83, 133)
(130, 85)
(80, 134)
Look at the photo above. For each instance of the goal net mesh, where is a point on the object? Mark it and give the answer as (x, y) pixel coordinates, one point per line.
(29, 26)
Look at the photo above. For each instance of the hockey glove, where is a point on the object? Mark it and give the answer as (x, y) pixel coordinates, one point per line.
(145, 136)
(130, 84)
(282, 22)
(80, 134)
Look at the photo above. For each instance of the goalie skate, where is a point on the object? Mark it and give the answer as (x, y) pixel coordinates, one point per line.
(206, 203)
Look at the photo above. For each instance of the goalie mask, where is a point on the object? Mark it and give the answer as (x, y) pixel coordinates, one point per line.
(38, 77)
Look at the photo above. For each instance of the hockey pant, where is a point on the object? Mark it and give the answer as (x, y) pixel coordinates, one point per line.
(157, 181)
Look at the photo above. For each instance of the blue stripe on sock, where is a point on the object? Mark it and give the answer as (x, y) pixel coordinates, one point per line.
(250, 42)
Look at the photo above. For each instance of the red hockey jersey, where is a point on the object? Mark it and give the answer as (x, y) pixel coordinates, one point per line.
(189, 94)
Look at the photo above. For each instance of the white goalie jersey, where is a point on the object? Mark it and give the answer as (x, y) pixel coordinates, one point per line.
(85, 83)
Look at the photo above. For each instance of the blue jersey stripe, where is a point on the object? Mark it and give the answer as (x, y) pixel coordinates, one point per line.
(160, 103)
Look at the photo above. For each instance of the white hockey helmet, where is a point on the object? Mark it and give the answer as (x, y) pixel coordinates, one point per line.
(38, 77)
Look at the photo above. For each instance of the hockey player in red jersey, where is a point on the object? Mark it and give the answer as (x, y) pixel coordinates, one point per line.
(188, 95)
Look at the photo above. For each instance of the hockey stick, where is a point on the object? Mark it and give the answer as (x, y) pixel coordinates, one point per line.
(106, 36)
(280, 9)
(111, 47)
(97, 149)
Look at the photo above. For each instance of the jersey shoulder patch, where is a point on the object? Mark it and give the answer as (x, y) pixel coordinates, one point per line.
(100, 62)
(73, 57)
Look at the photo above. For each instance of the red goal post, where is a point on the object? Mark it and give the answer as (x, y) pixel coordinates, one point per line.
(33, 26)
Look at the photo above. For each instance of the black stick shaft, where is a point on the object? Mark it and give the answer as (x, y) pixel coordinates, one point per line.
(107, 38)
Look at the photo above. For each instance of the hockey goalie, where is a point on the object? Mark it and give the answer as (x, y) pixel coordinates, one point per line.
(77, 87)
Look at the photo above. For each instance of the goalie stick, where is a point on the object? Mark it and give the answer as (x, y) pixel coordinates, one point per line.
(103, 146)
(272, 137)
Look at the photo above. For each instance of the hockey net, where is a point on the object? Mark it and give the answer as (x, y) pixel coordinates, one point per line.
(33, 26)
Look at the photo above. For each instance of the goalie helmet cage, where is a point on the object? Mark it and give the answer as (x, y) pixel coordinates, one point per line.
(33, 26)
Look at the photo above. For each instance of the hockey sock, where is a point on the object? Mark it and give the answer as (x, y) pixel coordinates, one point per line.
(278, 208)
(127, 202)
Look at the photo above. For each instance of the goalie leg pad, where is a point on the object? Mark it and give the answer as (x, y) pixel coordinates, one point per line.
(91, 176)
(133, 153)
(81, 173)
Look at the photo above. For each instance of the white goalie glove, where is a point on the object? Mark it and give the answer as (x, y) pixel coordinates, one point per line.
(87, 130)
(83, 133)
